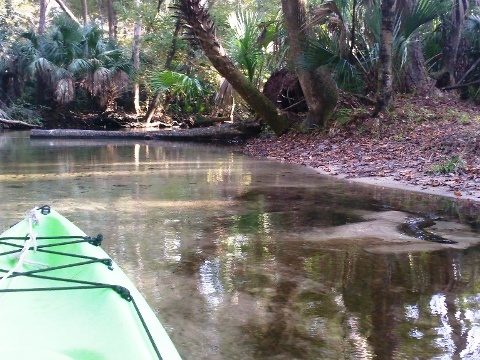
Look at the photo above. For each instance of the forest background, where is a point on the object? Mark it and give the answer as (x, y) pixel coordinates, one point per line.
(353, 87)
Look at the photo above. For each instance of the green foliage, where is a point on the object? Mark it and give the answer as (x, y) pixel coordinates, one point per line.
(177, 84)
(423, 12)
(187, 92)
(15, 17)
(68, 57)
(452, 165)
(4, 115)
(251, 44)
(355, 65)
(23, 111)
(245, 49)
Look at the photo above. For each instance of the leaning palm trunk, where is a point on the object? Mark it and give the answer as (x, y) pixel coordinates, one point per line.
(202, 30)
(318, 86)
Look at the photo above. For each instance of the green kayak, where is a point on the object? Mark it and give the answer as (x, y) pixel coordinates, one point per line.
(62, 297)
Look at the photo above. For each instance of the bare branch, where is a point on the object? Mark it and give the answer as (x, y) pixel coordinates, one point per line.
(67, 11)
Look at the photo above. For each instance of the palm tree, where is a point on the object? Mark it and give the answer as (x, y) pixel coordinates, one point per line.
(68, 57)
(318, 87)
(201, 30)
(249, 46)
(352, 49)
(171, 84)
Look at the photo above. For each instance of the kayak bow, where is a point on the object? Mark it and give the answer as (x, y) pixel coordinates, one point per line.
(62, 297)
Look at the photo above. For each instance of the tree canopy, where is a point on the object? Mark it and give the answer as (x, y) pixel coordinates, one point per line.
(118, 51)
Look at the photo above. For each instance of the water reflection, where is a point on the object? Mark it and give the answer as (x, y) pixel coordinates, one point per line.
(249, 259)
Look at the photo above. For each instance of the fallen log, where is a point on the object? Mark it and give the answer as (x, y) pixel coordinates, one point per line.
(226, 132)
(208, 121)
(17, 124)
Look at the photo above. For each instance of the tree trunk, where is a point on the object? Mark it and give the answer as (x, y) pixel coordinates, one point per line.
(385, 78)
(453, 34)
(42, 17)
(202, 30)
(136, 64)
(137, 30)
(173, 47)
(416, 80)
(152, 107)
(318, 87)
(84, 12)
(112, 21)
(17, 124)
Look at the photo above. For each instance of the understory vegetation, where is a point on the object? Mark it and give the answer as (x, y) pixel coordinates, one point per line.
(145, 63)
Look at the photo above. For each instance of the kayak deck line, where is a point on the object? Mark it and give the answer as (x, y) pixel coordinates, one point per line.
(122, 291)
(77, 284)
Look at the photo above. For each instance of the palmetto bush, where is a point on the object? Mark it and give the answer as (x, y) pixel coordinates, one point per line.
(67, 58)
(351, 49)
(178, 88)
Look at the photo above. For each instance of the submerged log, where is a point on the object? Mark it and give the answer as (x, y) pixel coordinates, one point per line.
(416, 227)
(226, 132)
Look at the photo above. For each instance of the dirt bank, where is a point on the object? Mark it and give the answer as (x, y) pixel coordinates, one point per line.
(427, 145)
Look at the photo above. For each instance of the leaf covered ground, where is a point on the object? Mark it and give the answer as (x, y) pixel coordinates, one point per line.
(424, 143)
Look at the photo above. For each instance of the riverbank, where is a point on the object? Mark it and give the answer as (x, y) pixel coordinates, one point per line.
(426, 145)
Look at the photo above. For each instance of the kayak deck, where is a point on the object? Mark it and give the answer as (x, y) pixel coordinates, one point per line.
(63, 297)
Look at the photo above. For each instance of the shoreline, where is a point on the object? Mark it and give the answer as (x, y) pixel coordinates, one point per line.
(391, 183)
(315, 162)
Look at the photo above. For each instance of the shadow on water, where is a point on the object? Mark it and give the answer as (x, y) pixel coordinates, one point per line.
(251, 259)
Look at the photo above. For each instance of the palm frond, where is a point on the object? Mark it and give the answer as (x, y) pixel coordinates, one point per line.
(176, 83)
(32, 37)
(97, 82)
(472, 23)
(43, 68)
(326, 12)
(80, 66)
(64, 92)
(423, 12)
(317, 54)
(245, 49)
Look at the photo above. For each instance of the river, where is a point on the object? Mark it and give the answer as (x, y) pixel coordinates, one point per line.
(244, 258)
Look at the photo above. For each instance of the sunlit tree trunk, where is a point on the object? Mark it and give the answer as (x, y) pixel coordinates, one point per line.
(112, 21)
(202, 30)
(84, 12)
(42, 17)
(318, 87)
(385, 77)
(67, 11)
(137, 30)
(168, 63)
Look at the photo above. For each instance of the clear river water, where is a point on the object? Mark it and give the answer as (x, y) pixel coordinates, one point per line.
(244, 258)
